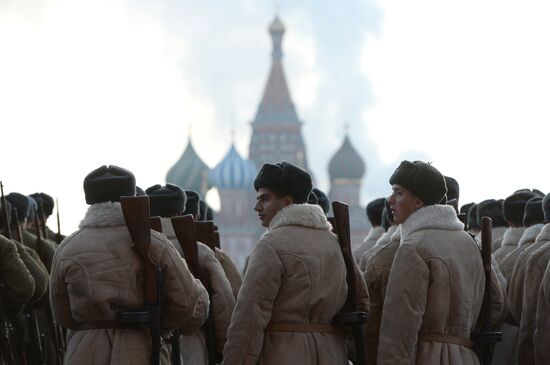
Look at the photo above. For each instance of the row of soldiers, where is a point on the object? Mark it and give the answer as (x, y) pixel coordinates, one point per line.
(422, 283)
(521, 253)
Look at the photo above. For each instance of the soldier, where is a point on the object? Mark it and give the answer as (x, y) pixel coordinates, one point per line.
(47, 204)
(374, 215)
(376, 273)
(534, 269)
(533, 219)
(229, 268)
(493, 209)
(169, 201)
(513, 208)
(295, 282)
(436, 284)
(96, 276)
(322, 200)
(453, 192)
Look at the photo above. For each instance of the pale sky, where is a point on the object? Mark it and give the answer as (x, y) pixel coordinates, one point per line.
(84, 83)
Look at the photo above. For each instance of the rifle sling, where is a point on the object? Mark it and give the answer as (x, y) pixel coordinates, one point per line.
(445, 338)
(304, 327)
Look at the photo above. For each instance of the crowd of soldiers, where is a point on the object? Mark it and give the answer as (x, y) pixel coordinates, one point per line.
(413, 292)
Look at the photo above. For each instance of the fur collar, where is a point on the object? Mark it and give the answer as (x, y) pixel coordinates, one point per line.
(530, 234)
(498, 232)
(167, 228)
(544, 234)
(431, 217)
(386, 237)
(396, 236)
(512, 235)
(306, 215)
(374, 234)
(107, 214)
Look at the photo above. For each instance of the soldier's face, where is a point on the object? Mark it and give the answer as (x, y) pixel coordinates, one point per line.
(403, 203)
(268, 203)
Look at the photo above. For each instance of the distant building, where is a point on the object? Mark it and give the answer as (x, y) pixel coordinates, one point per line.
(276, 136)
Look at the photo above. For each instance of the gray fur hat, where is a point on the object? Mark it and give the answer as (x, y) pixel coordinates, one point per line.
(286, 179)
(423, 180)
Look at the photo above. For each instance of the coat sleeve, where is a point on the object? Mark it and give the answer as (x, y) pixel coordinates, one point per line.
(254, 307)
(185, 302)
(375, 285)
(515, 288)
(59, 297)
(532, 280)
(230, 270)
(404, 308)
(37, 270)
(17, 280)
(222, 300)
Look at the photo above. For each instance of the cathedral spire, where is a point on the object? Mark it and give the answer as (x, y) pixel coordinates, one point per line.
(277, 30)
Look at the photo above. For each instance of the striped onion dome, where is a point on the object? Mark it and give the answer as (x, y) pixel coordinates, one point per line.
(189, 172)
(233, 172)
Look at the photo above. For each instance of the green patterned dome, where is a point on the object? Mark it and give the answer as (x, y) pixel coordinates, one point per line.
(190, 172)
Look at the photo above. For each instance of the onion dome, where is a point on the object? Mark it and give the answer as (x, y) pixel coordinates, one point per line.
(277, 26)
(233, 172)
(346, 163)
(189, 172)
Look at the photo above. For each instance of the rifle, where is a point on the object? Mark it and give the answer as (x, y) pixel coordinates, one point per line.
(352, 314)
(184, 227)
(41, 218)
(6, 330)
(205, 233)
(17, 226)
(56, 330)
(58, 238)
(137, 217)
(486, 338)
(5, 215)
(217, 239)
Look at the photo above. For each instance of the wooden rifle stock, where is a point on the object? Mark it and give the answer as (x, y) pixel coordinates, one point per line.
(17, 226)
(184, 227)
(352, 314)
(5, 215)
(486, 338)
(217, 239)
(156, 224)
(137, 218)
(205, 233)
(42, 219)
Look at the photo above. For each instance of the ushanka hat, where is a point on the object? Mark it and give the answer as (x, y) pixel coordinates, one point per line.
(421, 179)
(453, 190)
(533, 212)
(166, 201)
(21, 204)
(109, 183)
(374, 211)
(322, 200)
(473, 222)
(312, 199)
(513, 206)
(46, 201)
(192, 206)
(493, 209)
(286, 179)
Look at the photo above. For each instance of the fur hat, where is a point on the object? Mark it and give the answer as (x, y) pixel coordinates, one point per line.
(205, 211)
(192, 204)
(322, 200)
(286, 179)
(374, 211)
(109, 183)
(465, 208)
(33, 208)
(533, 212)
(46, 201)
(140, 192)
(513, 207)
(453, 190)
(166, 201)
(21, 204)
(421, 179)
(8, 206)
(472, 217)
(493, 209)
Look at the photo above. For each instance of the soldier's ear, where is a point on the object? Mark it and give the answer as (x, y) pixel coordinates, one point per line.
(419, 204)
(287, 200)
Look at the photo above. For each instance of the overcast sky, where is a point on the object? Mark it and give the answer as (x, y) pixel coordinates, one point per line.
(84, 83)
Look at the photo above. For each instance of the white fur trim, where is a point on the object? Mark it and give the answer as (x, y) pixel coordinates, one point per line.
(512, 236)
(386, 237)
(396, 236)
(431, 217)
(544, 233)
(530, 234)
(107, 214)
(306, 215)
(374, 234)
